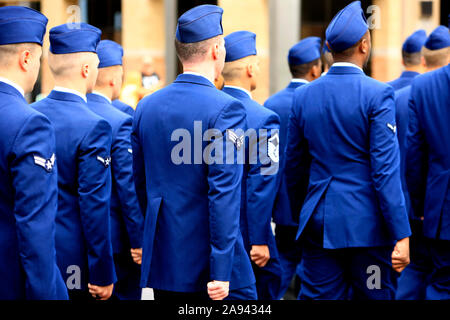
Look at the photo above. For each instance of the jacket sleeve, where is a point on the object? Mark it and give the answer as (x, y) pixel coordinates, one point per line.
(224, 194)
(139, 176)
(94, 189)
(416, 160)
(34, 178)
(385, 164)
(262, 182)
(122, 170)
(298, 160)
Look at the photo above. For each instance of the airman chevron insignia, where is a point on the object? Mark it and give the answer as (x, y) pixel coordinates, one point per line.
(106, 162)
(237, 141)
(47, 164)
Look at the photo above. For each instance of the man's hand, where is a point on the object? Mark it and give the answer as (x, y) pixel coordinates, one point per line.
(101, 293)
(260, 255)
(400, 255)
(137, 255)
(218, 290)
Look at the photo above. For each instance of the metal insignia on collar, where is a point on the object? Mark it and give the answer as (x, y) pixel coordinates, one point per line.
(106, 162)
(237, 141)
(47, 164)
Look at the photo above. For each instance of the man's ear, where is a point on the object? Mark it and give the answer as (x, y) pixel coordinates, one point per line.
(85, 70)
(364, 46)
(250, 70)
(215, 51)
(25, 60)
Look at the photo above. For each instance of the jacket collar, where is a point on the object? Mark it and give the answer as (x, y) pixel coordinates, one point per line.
(295, 84)
(66, 96)
(409, 74)
(99, 98)
(8, 89)
(236, 92)
(195, 79)
(344, 69)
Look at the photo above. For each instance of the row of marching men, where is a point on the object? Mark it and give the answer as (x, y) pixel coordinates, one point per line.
(207, 227)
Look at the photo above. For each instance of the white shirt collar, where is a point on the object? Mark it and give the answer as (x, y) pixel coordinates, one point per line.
(14, 85)
(239, 88)
(197, 74)
(102, 95)
(346, 64)
(67, 90)
(297, 80)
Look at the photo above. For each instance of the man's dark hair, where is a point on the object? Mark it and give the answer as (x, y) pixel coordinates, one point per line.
(348, 53)
(412, 59)
(301, 70)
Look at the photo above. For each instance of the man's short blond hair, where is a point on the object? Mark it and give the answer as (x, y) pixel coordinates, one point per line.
(233, 70)
(8, 51)
(62, 65)
(436, 58)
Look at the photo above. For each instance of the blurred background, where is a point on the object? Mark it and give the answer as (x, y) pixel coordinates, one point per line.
(146, 30)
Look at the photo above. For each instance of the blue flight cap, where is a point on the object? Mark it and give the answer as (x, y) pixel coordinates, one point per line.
(438, 39)
(200, 23)
(109, 53)
(21, 25)
(72, 38)
(415, 42)
(347, 27)
(240, 44)
(305, 51)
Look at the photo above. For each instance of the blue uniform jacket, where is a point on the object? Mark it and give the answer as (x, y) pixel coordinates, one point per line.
(428, 156)
(405, 79)
(191, 233)
(122, 106)
(347, 138)
(28, 202)
(127, 221)
(281, 103)
(259, 190)
(83, 146)
(401, 117)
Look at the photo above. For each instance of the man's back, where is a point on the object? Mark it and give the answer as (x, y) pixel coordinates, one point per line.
(187, 204)
(352, 141)
(428, 141)
(83, 142)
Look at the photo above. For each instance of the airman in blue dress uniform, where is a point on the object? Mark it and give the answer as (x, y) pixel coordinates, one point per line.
(305, 66)
(28, 173)
(127, 221)
(83, 150)
(353, 221)
(428, 159)
(192, 248)
(258, 188)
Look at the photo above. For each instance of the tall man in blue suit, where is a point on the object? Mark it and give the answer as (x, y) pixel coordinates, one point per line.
(192, 247)
(353, 220)
(412, 59)
(412, 283)
(127, 221)
(305, 66)
(83, 149)
(28, 175)
(260, 183)
(428, 159)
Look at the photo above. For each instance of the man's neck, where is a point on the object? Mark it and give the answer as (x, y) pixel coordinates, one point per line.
(204, 70)
(16, 83)
(239, 84)
(356, 62)
(429, 69)
(81, 88)
(417, 69)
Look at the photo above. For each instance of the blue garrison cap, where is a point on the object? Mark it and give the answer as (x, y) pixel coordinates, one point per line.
(305, 51)
(240, 44)
(21, 25)
(109, 53)
(347, 27)
(415, 42)
(438, 39)
(200, 23)
(72, 38)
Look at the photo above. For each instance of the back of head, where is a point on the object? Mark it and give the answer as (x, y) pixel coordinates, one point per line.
(197, 30)
(412, 48)
(436, 50)
(346, 32)
(22, 32)
(304, 56)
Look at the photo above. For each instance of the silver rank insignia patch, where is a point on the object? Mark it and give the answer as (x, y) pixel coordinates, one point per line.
(47, 164)
(237, 141)
(106, 162)
(392, 127)
(273, 148)
(130, 151)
